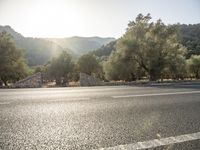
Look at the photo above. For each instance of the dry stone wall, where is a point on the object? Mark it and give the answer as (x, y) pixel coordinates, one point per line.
(86, 80)
(34, 81)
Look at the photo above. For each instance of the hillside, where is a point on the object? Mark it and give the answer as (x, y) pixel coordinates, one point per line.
(40, 50)
(105, 50)
(189, 36)
(81, 45)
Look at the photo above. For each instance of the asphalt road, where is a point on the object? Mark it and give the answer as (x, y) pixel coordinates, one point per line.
(98, 117)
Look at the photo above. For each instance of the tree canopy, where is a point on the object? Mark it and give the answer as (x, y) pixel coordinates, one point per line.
(152, 46)
(120, 68)
(60, 68)
(12, 62)
(88, 64)
(190, 37)
(105, 50)
(194, 66)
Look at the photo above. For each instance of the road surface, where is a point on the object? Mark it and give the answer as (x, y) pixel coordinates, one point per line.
(120, 117)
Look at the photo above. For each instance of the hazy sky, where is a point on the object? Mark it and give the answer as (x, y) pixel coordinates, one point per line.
(106, 18)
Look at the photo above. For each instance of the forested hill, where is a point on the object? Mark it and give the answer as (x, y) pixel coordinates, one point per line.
(81, 45)
(105, 50)
(190, 38)
(40, 50)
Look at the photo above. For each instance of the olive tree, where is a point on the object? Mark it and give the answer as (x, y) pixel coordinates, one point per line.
(193, 65)
(60, 68)
(88, 64)
(12, 62)
(152, 45)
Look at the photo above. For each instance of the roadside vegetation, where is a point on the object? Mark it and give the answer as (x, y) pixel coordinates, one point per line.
(147, 50)
(12, 62)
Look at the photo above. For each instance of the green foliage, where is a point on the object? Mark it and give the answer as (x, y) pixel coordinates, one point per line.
(190, 38)
(88, 64)
(60, 68)
(175, 64)
(193, 65)
(120, 68)
(105, 50)
(12, 62)
(36, 69)
(189, 35)
(151, 45)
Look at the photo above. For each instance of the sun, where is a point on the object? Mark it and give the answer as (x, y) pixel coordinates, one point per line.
(55, 19)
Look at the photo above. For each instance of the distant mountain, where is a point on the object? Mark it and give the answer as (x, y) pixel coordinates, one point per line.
(105, 50)
(81, 45)
(40, 50)
(11, 31)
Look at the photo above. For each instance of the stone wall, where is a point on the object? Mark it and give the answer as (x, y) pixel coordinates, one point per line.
(34, 81)
(86, 80)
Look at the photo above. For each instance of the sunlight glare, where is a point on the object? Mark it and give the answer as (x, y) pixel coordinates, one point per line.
(53, 18)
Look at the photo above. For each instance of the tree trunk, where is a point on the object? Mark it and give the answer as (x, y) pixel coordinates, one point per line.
(5, 82)
(152, 76)
(65, 81)
(1, 83)
(197, 75)
(58, 81)
(133, 77)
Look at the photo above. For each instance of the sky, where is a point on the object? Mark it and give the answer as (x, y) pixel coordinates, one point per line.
(105, 18)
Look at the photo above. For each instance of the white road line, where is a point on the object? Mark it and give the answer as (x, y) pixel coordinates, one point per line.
(156, 142)
(156, 94)
(70, 98)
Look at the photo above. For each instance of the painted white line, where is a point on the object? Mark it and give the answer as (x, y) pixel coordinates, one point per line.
(156, 142)
(70, 98)
(156, 94)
